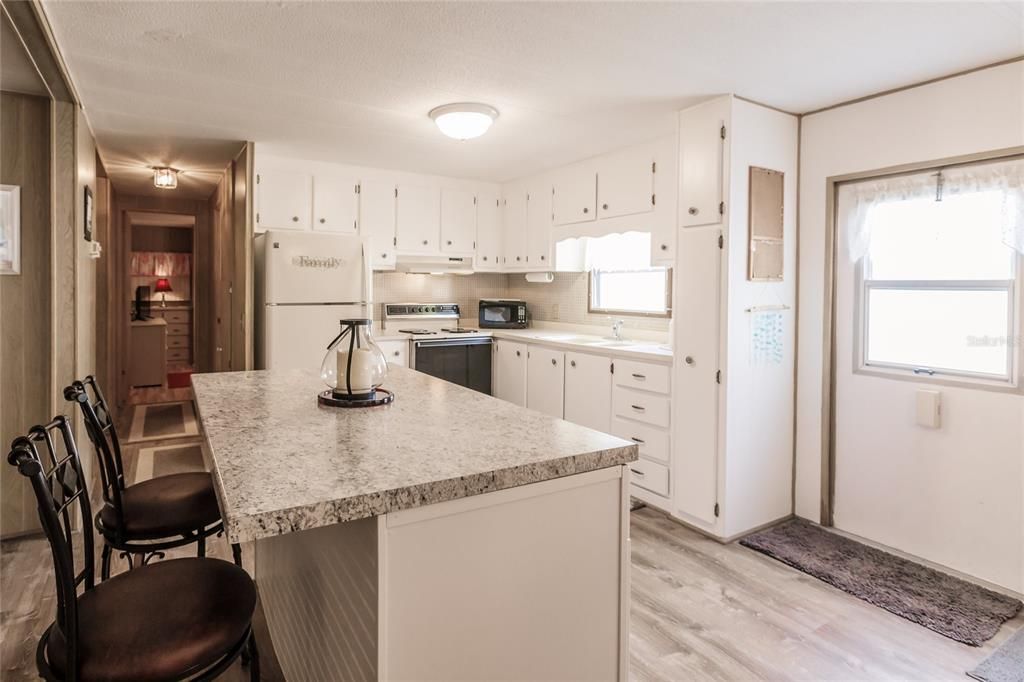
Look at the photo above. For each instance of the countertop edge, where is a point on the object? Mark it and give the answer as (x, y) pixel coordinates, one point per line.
(251, 527)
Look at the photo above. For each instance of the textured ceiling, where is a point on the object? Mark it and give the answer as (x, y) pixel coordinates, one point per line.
(183, 83)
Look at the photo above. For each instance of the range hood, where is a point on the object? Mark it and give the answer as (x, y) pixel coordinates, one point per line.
(448, 265)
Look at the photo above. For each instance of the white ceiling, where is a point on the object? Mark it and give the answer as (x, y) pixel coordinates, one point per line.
(182, 83)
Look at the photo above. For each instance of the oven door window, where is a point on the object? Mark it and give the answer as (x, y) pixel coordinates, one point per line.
(498, 314)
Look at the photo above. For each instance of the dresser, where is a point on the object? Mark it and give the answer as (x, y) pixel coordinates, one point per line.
(179, 333)
(148, 362)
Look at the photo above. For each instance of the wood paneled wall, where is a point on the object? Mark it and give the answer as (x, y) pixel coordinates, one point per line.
(161, 239)
(25, 299)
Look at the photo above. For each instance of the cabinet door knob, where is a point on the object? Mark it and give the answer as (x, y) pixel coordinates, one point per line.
(295, 218)
(688, 359)
(543, 257)
(694, 210)
(572, 363)
(518, 258)
(397, 353)
(553, 361)
(449, 242)
(604, 206)
(323, 220)
(485, 257)
(518, 353)
(383, 255)
(664, 247)
(586, 210)
(425, 242)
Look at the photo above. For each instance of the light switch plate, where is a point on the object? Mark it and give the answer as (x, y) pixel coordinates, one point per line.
(929, 408)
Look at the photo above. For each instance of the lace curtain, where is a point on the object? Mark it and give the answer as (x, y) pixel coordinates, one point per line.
(1005, 177)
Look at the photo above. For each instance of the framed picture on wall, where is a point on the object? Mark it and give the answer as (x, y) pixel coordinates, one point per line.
(10, 230)
(88, 214)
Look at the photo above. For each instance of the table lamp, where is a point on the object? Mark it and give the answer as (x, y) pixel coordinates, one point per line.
(163, 285)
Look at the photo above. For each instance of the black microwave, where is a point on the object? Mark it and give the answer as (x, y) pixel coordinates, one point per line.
(502, 314)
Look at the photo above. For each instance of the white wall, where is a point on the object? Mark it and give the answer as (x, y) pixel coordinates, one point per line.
(929, 514)
(758, 464)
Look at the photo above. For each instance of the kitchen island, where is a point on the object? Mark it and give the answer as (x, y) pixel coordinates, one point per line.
(448, 535)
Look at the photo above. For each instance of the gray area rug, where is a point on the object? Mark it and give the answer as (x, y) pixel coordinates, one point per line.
(950, 606)
(1005, 664)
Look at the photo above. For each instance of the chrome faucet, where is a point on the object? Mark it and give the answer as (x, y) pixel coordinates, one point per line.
(617, 329)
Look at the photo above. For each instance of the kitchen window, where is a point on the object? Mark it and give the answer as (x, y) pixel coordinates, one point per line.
(622, 280)
(938, 270)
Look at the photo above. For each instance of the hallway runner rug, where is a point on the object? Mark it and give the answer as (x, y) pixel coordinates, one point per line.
(948, 605)
(163, 421)
(168, 459)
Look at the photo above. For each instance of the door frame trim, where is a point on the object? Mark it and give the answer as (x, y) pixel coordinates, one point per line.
(828, 375)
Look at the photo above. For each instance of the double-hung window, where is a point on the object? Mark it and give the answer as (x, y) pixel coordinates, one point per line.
(938, 272)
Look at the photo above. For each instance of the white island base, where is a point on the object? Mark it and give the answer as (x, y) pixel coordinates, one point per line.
(527, 583)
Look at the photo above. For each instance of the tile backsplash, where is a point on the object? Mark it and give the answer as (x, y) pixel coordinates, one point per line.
(564, 300)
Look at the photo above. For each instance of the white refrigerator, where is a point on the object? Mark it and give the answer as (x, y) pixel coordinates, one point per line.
(305, 283)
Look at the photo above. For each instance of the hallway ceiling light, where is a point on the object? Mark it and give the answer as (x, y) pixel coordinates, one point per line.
(165, 178)
(464, 120)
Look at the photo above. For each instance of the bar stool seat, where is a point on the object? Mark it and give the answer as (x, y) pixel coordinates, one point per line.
(164, 506)
(167, 620)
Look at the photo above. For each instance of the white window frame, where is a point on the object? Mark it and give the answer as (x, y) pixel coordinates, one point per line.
(593, 286)
(1012, 287)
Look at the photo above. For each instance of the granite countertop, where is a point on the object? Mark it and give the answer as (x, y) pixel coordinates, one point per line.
(281, 463)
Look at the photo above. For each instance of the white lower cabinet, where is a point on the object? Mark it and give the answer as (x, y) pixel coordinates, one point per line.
(509, 371)
(653, 441)
(588, 390)
(650, 476)
(545, 380)
(396, 352)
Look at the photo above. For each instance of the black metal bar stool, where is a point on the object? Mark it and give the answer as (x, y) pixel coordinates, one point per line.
(151, 516)
(172, 620)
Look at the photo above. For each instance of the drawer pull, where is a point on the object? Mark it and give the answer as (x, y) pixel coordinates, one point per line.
(639, 376)
(637, 440)
(638, 408)
(638, 473)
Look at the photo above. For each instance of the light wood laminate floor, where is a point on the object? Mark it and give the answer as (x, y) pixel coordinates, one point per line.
(700, 610)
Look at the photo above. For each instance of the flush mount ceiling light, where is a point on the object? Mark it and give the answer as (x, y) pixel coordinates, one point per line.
(165, 178)
(464, 120)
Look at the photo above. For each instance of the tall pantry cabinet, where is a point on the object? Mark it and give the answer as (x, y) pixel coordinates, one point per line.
(733, 406)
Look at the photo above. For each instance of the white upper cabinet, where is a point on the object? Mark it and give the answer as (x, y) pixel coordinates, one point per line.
(625, 183)
(335, 204)
(377, 222)
(488, 232)
(702, 131)
(588, 390)
(545, 380)
(538, 228)
(283, 200)
(514, 243)
(458, 221)
(574, 196)
(418, 221)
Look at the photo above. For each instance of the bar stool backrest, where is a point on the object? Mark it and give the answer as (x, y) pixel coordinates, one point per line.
(99, 424)
(47, 456)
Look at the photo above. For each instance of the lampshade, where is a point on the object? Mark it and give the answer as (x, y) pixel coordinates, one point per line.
(163, 285)
(165, 178)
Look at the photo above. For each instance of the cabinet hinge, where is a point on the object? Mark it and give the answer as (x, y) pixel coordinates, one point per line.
(652, 200)
(718, 377)
(527, 196)
(359, 188)
(721, 242)
(716, 504)
(474, 245)
(257, 217)
(722, 132)
(611, 368)
(396, 192)
(497, 203)
(355, 225)
(257, 178)
(654, 166)
(394, 241)
(721, 208)
(474, 201)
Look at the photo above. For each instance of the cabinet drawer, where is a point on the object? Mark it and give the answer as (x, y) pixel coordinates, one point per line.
(178, 330)
(177, 354)
(649, 475)
(653, 441)
(176, 316)
(641, 406)
(177, 342)
(643, 375)
(396, 352)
